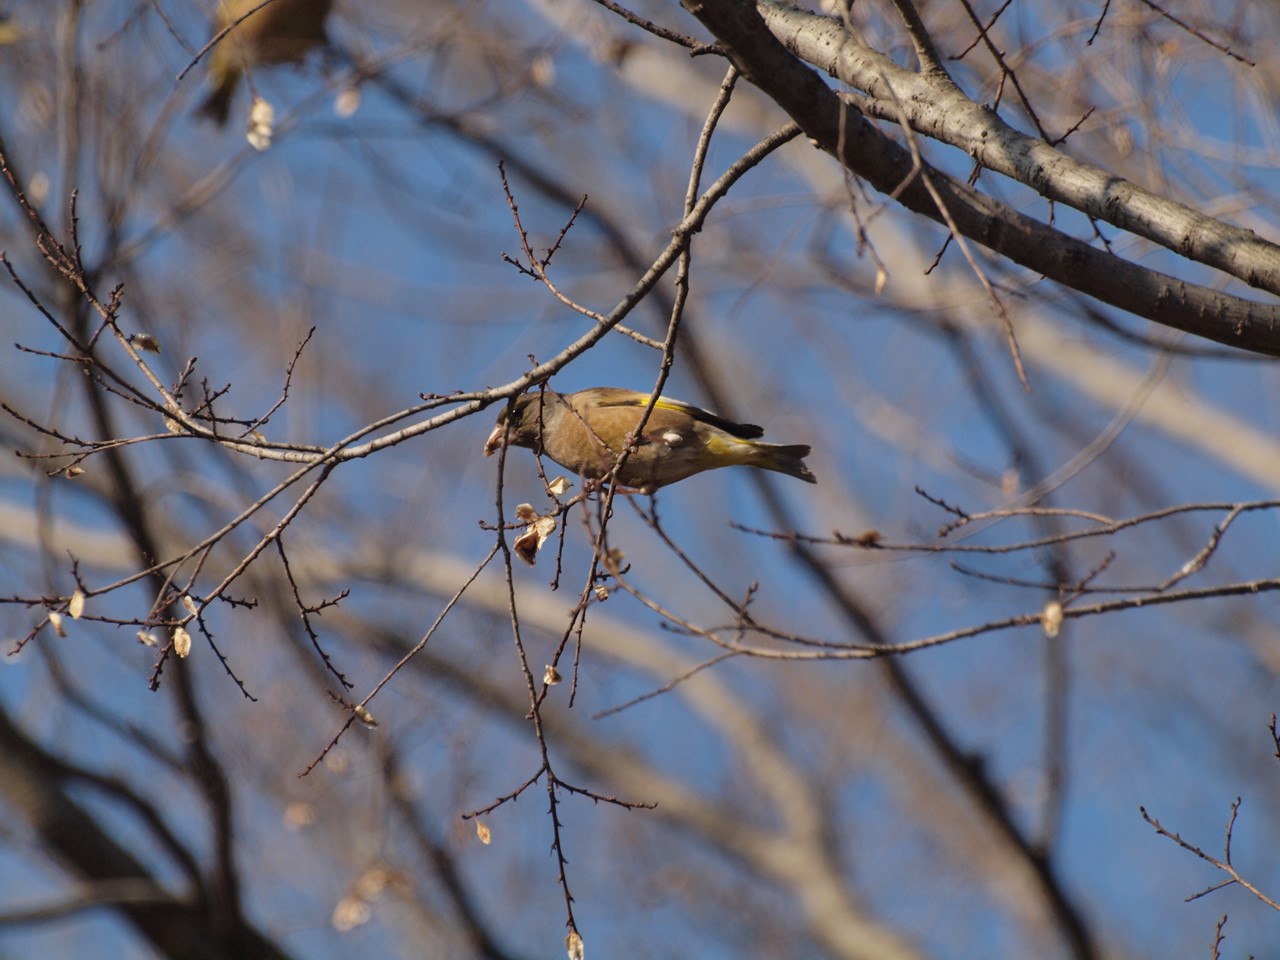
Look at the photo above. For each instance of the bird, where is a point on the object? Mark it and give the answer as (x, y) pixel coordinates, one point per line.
(586, 431)
(282, 31)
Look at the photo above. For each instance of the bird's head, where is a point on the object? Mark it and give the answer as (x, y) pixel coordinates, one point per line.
(521, 424)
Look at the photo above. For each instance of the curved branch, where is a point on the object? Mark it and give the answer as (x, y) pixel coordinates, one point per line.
(831, 124)
(940, 110)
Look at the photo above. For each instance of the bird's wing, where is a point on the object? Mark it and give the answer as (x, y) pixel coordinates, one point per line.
(617, 397)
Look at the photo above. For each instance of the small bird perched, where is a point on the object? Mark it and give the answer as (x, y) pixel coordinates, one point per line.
(586, 431)
(282, 31)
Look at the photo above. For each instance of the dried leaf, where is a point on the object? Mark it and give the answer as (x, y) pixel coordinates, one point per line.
(1051, 618)
(535, 535)
(482, 831)
(38, 187)
(299, 815)
(262, 121)
(146, 342)
(351, 912)
(372, 882)
(400, 884)
(526, 547)
(261, 113)
(560, 486)
(542, 71)
(181, 641)
(882, 277)
(1122, 139)
(347, 102)
(76, 606)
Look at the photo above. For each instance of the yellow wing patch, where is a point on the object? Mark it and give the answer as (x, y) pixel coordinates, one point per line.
(745, 431)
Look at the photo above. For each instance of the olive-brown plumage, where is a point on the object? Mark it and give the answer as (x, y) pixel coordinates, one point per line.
(586, 431)
(283, 31)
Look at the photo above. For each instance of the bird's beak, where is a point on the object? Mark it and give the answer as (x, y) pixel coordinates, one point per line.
(496, 439)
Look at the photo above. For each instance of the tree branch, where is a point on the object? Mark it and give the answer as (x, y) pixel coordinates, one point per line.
(836, 128)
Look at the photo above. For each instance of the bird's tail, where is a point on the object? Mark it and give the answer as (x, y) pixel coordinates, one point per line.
(784, 458)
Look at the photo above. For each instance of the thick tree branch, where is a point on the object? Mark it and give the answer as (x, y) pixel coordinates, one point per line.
(835, 127)
(31, 784)
(940, 110)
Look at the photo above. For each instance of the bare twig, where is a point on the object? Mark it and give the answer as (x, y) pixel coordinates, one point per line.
(1225, 864)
